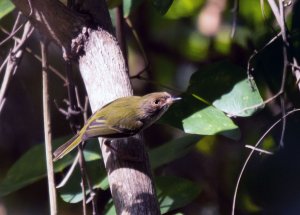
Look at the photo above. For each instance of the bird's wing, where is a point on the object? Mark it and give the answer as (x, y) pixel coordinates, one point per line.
(99, 128)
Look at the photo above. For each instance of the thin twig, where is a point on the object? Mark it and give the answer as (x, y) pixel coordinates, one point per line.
(259, 150)
(14, 30)
(256, 52)
(82, 163)
(36, 56)
(69, 173)
(47, 132)
(4, 63)
(275, 10)
(250, 155)
(28, 50)
(83, 179)
(139, 43)
(13, 60)
(120, 33)
(74, 106)
(285, 67)
(234, 11)
(262, 8)
(296, 71)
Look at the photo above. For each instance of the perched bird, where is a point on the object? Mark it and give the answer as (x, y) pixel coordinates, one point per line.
(120, 118)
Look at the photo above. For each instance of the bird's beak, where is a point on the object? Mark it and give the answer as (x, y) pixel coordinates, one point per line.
(171, 100)
(174, 99)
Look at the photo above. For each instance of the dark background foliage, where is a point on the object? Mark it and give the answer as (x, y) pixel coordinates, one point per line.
(190, 52)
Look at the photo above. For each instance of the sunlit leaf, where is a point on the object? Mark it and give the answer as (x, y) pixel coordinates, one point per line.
(209, 121)
(241, 100)
(195, 117)
(6, 6)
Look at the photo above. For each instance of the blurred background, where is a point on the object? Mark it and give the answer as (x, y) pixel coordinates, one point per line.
(190, 37)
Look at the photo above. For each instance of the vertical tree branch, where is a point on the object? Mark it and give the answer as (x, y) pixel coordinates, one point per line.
(47, 131)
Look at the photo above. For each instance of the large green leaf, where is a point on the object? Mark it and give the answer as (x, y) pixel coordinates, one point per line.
(215, 80)
(240, 100)
(24, 173)
(172, 150)
(162, 6)
(209, 121)
(226, 89)
(195, 117)
(5, 7)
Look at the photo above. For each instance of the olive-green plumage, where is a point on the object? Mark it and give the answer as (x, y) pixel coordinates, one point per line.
(120, 118)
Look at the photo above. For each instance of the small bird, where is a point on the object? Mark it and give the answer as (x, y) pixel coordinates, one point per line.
(120, 118)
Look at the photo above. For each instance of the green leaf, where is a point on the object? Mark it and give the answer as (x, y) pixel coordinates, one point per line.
(174, 192)
(6, 7)
(23, 173)
(162, 6)
(222, 84)
(130, 5)
(215, 80)
(172, 150)
(210, 121)
(240, 99)
(72, 192)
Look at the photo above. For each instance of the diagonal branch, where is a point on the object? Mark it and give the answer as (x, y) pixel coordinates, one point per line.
(13, 61)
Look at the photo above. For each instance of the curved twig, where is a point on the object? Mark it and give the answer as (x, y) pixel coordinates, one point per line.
(250, 155)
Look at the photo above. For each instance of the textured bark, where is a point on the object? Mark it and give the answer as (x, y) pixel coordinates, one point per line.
(53, 20)
(104, 72)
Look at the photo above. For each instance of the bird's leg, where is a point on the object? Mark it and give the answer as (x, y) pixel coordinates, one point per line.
(121, 154)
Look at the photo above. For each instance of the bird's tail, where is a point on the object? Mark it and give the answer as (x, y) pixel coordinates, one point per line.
(66, 147)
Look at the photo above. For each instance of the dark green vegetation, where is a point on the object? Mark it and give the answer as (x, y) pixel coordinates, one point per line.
(198, 148)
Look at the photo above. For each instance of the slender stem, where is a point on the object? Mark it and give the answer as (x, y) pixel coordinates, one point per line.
(83, 179)
(250, 155)
(235, 11)
(28, 50)
(120, 33)
(13, 60)
(47, 132)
